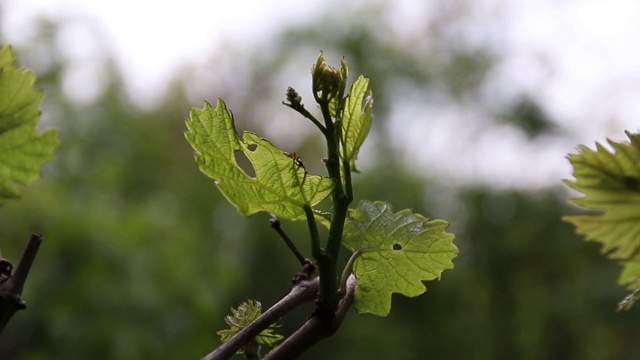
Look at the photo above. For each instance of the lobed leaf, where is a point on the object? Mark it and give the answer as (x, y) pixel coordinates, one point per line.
(280, 186)
(23, 149)
(610, 182)
(356, 119)
(396, 252)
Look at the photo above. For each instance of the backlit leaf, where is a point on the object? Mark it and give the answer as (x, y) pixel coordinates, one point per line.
(23, 149)
(610, 182)
(281, 185)
(356, 119)
(396, 253)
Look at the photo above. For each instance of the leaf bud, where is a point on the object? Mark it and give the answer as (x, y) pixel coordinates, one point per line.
(326, 80)
(293, 97)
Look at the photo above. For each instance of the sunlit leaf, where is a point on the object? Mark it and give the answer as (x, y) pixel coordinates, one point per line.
(23, 149)
(610, 182)
(396, 253)
(281, 185)
(356, 119)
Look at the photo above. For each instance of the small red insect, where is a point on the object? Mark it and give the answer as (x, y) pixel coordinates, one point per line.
(296, 159)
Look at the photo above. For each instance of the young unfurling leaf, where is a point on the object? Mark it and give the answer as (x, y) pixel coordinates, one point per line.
(356, 119)
(280, 186)
(395, 252)
(247, 312)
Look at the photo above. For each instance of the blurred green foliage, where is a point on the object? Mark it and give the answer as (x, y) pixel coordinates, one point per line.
(142, 257)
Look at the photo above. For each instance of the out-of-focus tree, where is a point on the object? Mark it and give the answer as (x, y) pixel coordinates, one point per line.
(141, 261)
(132, 265)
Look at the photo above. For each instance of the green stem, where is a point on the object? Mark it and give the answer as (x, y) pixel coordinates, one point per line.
(326, 265)
(340, 207)
(334, 242)
(348, 269)
(347, 179)
(316, 250)
(333, 158)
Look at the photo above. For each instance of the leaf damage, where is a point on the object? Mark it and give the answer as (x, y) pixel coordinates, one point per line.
(396, 252)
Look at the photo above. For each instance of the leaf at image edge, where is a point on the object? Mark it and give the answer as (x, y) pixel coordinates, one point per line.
(610, 182)
(23, 149)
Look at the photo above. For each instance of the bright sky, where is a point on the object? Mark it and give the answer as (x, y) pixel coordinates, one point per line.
(151, 39)
(578, 57)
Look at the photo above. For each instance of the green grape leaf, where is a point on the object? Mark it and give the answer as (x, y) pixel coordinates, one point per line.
(23, 149)
(356, 119)
(281, 184)
(610, 182)
(246, 313)
(395, 252)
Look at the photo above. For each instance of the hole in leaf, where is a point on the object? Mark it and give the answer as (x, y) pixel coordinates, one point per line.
(252, 147)
(243, 162)
(631, 183)
(397, 247)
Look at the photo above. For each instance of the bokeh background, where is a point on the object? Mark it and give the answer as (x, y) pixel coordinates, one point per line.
(477, 105)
